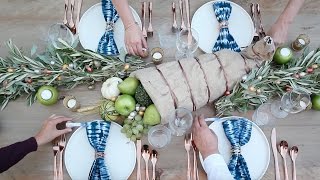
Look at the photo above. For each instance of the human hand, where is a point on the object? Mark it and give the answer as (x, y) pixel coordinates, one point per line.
(279, 32)
(49, 131)
(135, 42)
(205, 139)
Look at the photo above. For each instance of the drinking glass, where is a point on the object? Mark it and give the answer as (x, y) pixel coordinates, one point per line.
(159, 136)
(180, 122)
(262, 116)
(60, 31)
(187, 43)
(293, 102)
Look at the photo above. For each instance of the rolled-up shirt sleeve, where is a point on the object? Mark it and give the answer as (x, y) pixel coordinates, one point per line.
(216, 168)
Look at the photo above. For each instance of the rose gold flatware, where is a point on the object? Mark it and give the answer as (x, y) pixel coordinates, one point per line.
(72, 25)
(78, 14)
(144, 31)
(65, 19)
(154, 158)
(262, 33)
(146, 157)
(283, 149)
(187, 2)
(139, 159)
(174, 24)
(195, 164)
(253, 16)
(55, 149)
(293, 154)
(150, 29)
(275, 153)
(187, 146)
(183, 26)
(62, 145)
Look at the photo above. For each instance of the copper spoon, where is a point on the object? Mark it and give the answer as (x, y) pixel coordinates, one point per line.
(293, 155)
(283, 149)
(154, 159)
(146, 157)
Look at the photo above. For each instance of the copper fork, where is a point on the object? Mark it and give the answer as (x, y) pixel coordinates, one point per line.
(144, 31)
(150, 29)
(72, 25)
(195, 164)
(55, 149)
(187, 146)
(62, 145)
(65, 18)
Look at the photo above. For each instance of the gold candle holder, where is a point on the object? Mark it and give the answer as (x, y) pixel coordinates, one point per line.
(301, 42)
(71, 103)
(157, 55)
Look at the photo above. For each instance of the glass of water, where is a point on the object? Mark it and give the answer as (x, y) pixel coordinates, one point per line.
(159, 136)
(187, 43)
(181, 121)
(292, 102)
(60, 31)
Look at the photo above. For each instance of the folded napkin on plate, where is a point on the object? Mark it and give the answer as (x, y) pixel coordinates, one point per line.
(98, 132)
(222, 10)
(107, 45)
(238, 132)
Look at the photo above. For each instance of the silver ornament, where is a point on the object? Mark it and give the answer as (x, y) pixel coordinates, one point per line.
(244, 78)
(259, 78)
(137, 108)
(37, 71)
(52, 62)
(133, 113)
(71, 66)
(142, 108)
(302, 74)
(130, 117)
(91, 87)
(97, 64)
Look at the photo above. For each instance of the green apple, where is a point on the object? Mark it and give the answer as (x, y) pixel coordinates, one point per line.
(315, 99)
(151, 116)
(129, 86)
(125, 104)
(282, 55)
(47, 95)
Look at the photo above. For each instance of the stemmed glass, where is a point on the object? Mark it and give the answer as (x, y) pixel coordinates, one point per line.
(60, 31)
(293, 102)
(181, 121)
(187, 43)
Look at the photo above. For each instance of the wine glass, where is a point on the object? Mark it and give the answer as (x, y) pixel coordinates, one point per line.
(159, 136)
(180, 122)
(187, 43)
(60, 31)
(293, 102)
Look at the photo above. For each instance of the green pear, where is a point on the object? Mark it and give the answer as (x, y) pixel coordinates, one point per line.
(125, 104)
(151, 116)
(129, 86)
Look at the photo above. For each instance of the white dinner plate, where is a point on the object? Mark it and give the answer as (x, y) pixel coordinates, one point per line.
(92, 26)
(256, 152)
(204, 21)
(120, 154)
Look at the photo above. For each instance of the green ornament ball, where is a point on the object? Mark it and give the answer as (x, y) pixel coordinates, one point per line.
(282, 55)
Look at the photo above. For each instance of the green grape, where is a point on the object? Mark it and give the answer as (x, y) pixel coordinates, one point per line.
(129, 131)
(126, 126)
(127, 121)
(128, 135)
(135, 131)
(138, 118)
(140, 127)
(139, 136)
(145, 131)
(134, 123)
(133, 138)
(140, 122)
(123, 130)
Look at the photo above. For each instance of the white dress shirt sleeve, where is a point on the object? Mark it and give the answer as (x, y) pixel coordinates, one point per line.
(216, 168)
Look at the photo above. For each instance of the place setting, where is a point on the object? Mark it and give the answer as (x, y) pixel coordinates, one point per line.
(144, 106)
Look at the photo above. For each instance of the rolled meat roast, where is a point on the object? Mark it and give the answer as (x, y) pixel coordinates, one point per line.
(192, 83)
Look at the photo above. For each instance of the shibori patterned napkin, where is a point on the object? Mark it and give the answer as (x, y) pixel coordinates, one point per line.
(107, 44)
(98, 132)
(238, 132)
(222, 10)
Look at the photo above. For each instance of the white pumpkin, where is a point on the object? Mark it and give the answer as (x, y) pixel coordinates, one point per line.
(110, 89)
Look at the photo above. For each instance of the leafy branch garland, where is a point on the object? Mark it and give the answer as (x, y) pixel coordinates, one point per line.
(271, 80)
(62, 66)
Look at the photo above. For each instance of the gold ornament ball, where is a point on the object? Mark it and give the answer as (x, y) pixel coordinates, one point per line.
(10, 70)
(65, 67)
(141, 113)
(126, 67)
(251, 88)
(59, 78)
(315, 66)
(113, 99)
